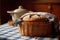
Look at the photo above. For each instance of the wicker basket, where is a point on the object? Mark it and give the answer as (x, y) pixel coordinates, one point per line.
(35, 28)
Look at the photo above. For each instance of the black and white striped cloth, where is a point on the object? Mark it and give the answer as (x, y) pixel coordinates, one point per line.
(11, 33)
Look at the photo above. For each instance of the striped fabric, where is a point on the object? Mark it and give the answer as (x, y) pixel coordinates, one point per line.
(11, 33)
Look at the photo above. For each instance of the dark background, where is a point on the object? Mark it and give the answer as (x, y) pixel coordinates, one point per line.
(5, 6)
(33, 5)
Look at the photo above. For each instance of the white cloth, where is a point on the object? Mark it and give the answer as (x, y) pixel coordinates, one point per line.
(49, 16)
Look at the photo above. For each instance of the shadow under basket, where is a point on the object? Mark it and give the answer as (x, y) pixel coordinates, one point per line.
(41, 29)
